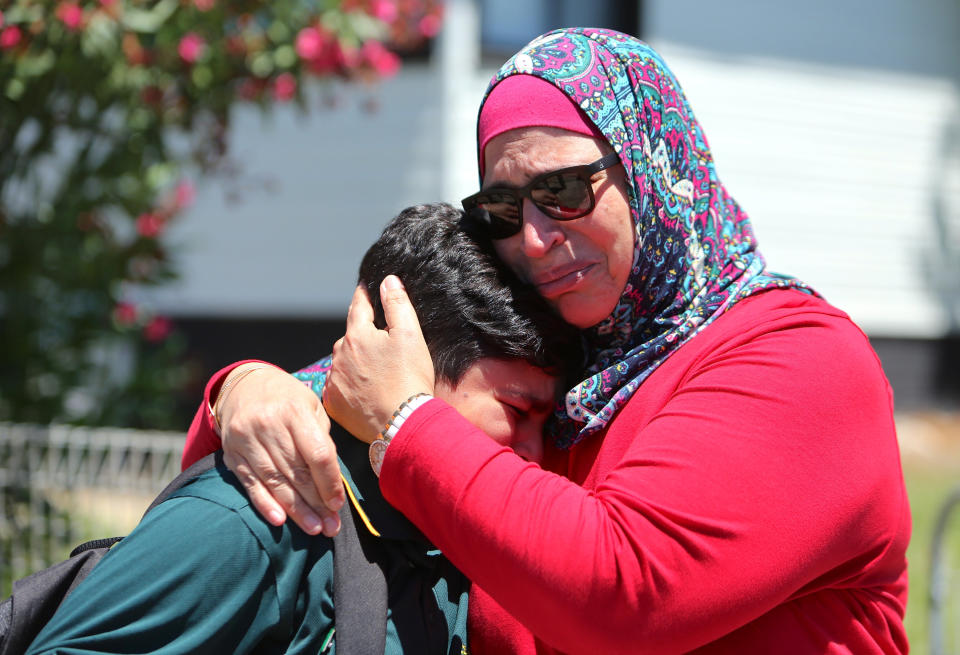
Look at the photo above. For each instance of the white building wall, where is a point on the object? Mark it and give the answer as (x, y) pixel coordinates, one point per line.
(839, 135)
(837, 127)
(841, 177)
(314, 192)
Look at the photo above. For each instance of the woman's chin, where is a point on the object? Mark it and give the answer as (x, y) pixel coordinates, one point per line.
(583, 309)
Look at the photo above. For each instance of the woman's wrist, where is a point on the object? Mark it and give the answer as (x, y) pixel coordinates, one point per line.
(378, 447)
(232, 380)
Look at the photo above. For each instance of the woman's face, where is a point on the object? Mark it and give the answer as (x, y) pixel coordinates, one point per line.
(580, 266)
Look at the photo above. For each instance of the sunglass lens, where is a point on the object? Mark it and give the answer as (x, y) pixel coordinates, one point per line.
(563, 197)
(500, 214)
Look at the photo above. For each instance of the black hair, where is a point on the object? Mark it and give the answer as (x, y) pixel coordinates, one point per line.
(470, 306)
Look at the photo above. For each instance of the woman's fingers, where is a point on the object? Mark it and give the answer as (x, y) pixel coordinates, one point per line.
(397, 309)
(285, 457)
(261, 499)
(376, 370)
(280, 484)
(314, 473)
(320, 454)
(409, 353)
(360, 312)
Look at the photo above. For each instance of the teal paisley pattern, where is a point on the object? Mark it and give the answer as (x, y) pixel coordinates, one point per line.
(695, 253)
(315, 375)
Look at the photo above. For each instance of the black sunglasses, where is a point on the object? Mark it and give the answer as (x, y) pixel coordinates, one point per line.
(562, 195)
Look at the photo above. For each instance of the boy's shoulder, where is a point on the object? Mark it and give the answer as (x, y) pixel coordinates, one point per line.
(218, 485)
(221, 488)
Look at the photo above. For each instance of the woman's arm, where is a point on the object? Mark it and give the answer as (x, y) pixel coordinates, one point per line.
(757, 480)
(203, 437)
(276, 439)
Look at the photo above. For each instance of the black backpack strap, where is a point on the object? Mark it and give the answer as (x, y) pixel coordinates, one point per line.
(189, 473)
(36, 597)
(359, 589)
(94, 543)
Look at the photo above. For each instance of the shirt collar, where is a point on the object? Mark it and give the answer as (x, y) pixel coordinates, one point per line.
(363, 491)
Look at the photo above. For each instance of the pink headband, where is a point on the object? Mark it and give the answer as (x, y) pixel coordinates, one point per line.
(529, 101)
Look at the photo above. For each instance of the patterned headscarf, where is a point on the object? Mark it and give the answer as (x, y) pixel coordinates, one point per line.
(695, 253)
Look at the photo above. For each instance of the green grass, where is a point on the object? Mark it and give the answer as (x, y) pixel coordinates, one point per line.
(928, 485)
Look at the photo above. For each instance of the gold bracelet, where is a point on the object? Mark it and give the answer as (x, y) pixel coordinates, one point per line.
(225, 390)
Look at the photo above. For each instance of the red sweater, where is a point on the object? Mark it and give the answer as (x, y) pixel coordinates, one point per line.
(749, 498)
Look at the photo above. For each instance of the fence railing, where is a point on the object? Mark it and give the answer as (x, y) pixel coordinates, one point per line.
(62, 485)
(945, 579)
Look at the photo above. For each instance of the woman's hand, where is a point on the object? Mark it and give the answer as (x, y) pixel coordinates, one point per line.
(276, 439)
(376, 370)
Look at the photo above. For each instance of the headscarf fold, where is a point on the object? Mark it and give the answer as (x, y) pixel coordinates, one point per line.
(695, 254)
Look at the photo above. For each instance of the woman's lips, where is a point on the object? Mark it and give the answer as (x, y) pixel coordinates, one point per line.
(559, 281)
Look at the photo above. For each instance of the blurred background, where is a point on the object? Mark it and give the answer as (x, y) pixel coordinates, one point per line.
(184, 184)
(837, 127)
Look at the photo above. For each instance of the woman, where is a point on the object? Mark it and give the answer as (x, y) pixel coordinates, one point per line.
(726, 478)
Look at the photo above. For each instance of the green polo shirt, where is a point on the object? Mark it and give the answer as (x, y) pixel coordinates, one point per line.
(203, 573)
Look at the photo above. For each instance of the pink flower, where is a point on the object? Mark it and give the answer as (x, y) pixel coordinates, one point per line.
(284, 87)
(381, 60)
(125, 314)
(149, 225)
(10, 37)
(309, 43)
(429, 25)
(191, 48)
(71, 15)
(184, 194)
(157, 329)
(204, 5)
(385, 10)
(321, 51)
(1, 19)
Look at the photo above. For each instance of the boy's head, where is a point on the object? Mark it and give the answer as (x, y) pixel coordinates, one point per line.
(498, 350)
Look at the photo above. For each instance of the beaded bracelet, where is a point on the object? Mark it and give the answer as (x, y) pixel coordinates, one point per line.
(379, 446)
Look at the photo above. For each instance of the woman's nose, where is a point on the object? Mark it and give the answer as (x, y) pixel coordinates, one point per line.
(539, 232)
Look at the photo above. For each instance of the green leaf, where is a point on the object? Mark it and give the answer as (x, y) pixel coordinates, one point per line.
(35, 66)
(262, 64)
(161, 175)
(365, 26)
(149, 21)
(202, 76)
(278, 31)
(24, 13)
(15, 89)
(100, 36)
(139, 119)
(285, 56)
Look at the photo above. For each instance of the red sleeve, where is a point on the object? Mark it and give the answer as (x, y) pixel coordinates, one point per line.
(202, 437)
(765, 471)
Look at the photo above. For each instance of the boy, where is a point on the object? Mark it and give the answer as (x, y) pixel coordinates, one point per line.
(204, 573)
